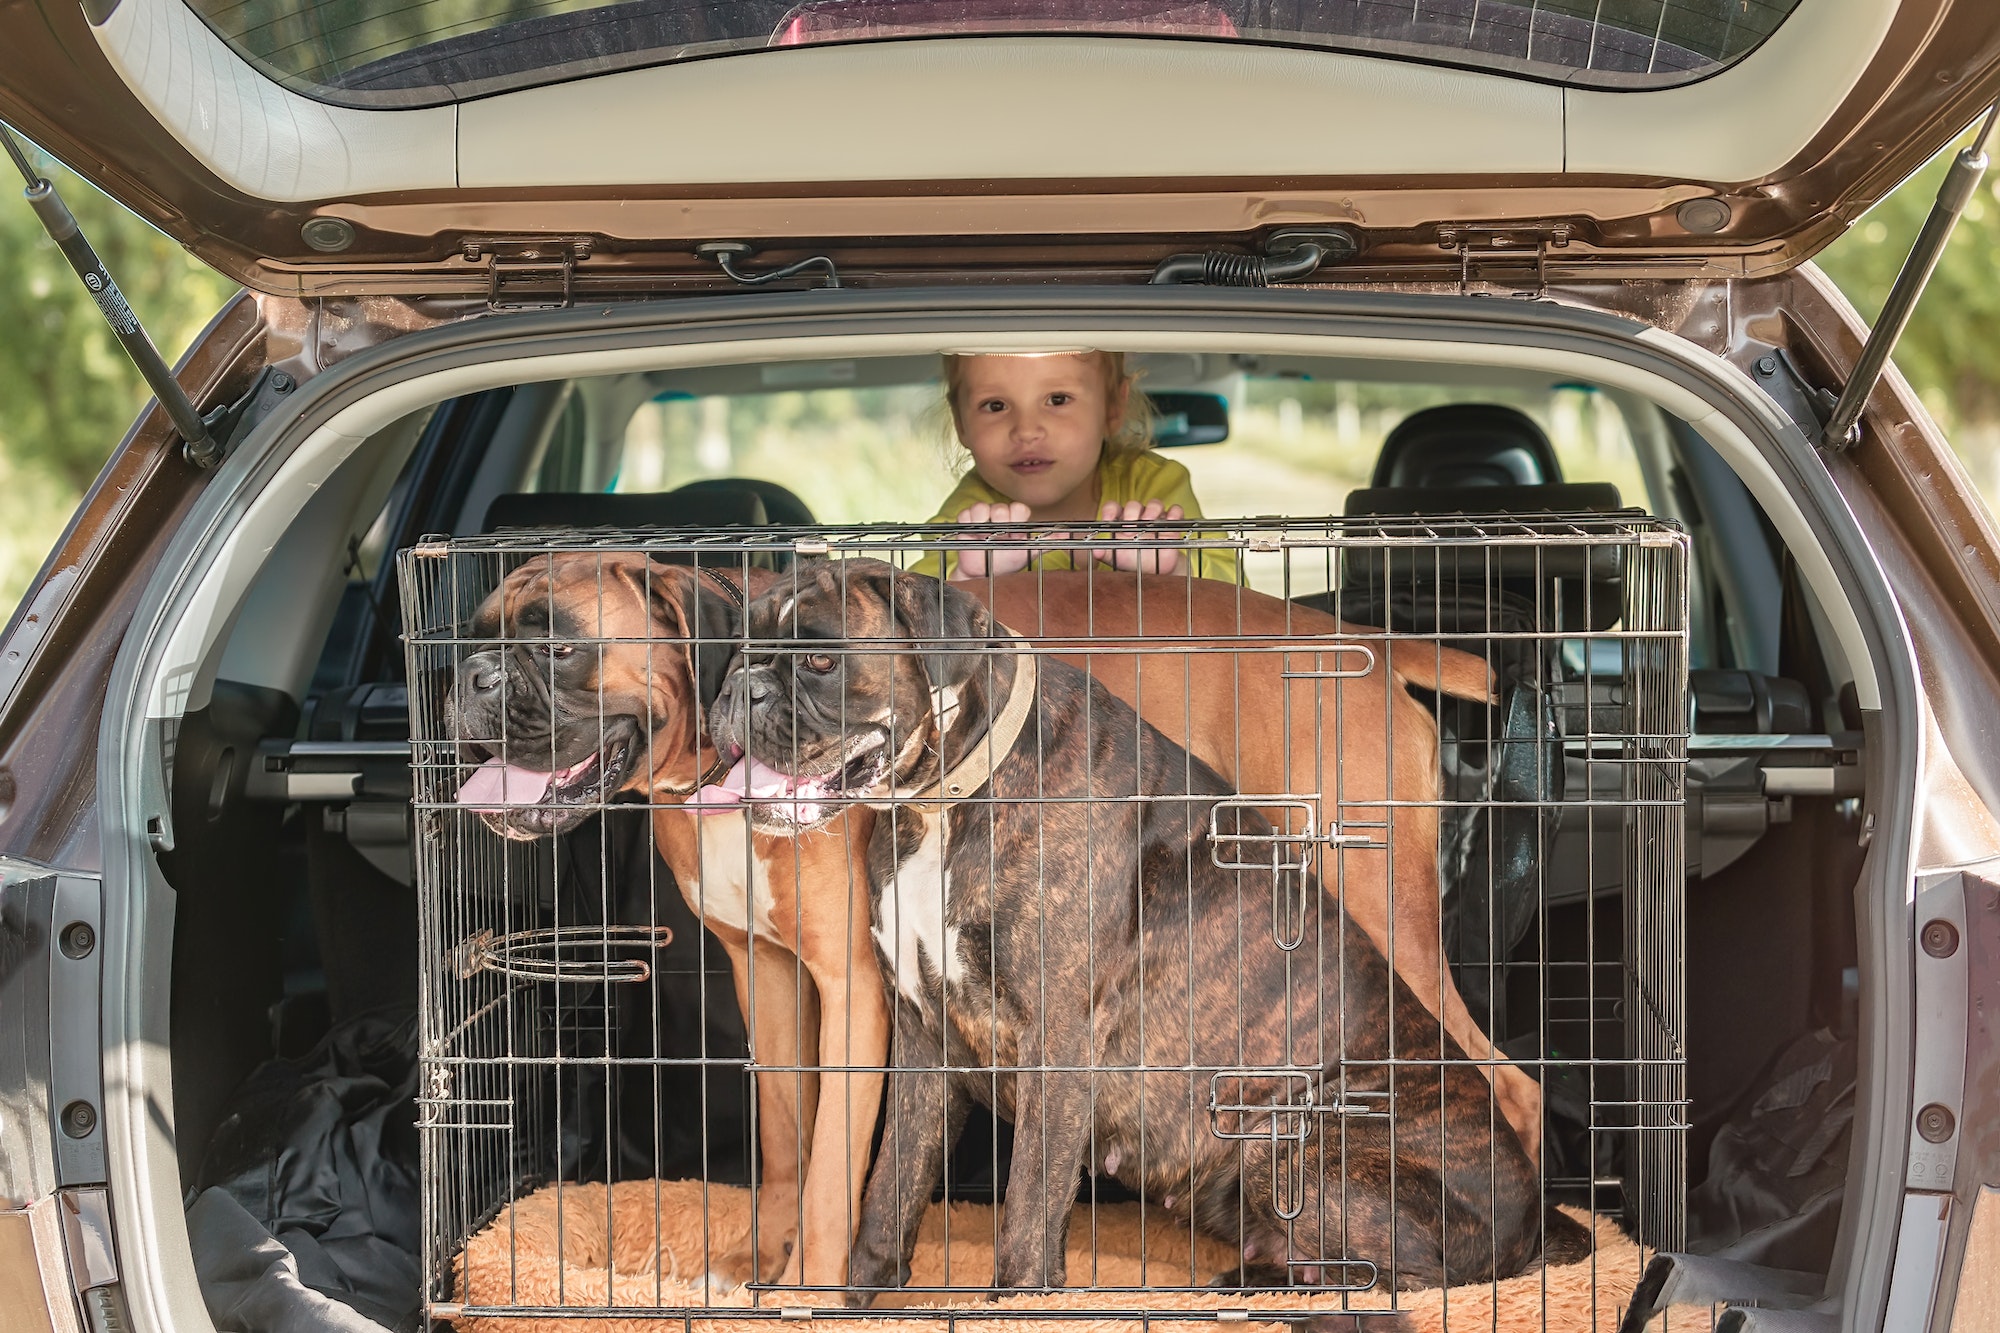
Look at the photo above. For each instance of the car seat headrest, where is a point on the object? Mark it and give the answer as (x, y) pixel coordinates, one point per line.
(780, 505)
(1460, 445)
(1591, 572)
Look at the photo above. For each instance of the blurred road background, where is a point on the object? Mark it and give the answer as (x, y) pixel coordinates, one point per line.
(67, 393)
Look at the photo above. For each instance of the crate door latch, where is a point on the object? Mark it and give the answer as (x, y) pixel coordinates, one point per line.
(1284, 853)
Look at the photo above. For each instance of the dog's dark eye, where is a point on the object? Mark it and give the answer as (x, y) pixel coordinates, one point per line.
(819, 663)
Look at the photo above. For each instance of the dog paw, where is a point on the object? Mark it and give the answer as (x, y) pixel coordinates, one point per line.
(1030, 1280)
(868, 1267)
(733, 1268)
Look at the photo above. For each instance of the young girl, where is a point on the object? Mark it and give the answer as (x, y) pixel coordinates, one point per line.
(1061, 437)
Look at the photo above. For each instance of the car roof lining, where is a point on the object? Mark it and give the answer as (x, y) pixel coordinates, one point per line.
(194, 651)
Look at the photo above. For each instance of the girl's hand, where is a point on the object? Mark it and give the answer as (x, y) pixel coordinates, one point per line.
(979, 562)
(1163, 560)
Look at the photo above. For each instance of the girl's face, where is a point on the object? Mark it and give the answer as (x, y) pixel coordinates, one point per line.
(1035, 427)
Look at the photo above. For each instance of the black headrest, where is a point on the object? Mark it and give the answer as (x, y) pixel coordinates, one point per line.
(1462, 445)
(780, 505)
(735, 507)
(1482, 571)
(1569, 497)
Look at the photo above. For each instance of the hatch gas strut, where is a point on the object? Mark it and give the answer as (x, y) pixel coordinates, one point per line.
(1953, 195)
(198, 441)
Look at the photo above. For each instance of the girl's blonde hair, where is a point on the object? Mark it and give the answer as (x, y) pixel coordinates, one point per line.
(1132, 435)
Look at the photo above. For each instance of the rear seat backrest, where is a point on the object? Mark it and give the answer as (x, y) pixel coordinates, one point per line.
(722, 503)
(719, 507)
(1583, 581)
(1501, 766)
(780, 505)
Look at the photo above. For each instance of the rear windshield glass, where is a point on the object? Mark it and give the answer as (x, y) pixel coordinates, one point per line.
(436, 51)
(1298, 440)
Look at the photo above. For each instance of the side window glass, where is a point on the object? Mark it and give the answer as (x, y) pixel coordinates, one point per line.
(566, 460)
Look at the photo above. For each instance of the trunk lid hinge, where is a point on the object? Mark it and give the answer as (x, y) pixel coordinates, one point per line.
(1511, 241)
(1843, 424)
(529, 272)
(1779, 376)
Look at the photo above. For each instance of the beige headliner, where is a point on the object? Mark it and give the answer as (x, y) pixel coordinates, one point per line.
(993, 109)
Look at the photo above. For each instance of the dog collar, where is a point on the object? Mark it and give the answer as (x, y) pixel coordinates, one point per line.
(716, 771)
(720, 580)
(970, 773)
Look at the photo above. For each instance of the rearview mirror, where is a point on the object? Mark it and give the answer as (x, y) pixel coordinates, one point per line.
(1181, 419)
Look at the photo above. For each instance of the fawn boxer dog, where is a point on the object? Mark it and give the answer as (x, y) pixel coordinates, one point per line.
(1059, 921)
(626, 716)
(598, 686)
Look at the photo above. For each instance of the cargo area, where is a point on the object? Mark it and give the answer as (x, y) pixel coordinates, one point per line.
(491, 1079)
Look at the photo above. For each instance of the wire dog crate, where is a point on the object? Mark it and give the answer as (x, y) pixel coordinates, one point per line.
(1034, 931)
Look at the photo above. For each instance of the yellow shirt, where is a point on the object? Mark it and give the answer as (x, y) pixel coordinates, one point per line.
(1120, 477)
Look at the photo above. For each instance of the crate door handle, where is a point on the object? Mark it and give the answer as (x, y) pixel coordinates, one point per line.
(1283, 1119)
(575, 955)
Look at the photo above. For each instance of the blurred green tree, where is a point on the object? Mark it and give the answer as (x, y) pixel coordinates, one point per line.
(69, 391)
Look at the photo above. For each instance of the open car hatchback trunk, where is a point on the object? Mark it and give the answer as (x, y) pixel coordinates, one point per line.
(1540, 870)
(1588, 754)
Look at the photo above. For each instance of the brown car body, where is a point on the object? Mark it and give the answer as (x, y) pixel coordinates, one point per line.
(439, 263)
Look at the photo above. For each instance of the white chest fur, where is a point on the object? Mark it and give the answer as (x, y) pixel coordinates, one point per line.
(910, 926)
(735, 890)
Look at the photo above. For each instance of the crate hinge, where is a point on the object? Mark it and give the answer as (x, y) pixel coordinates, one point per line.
(529, 272)
(1478, 243)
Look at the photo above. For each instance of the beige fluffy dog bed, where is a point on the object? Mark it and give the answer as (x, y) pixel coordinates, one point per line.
(654, 1256)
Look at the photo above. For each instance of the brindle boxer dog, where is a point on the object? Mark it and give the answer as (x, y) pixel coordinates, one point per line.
(598, 687)
(1065, 924)
(1242, 682)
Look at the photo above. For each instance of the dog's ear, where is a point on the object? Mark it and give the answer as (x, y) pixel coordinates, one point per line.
(684, 607)
(715, 622)
(954, 626)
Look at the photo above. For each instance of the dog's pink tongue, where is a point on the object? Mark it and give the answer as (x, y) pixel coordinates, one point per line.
(749, 780)
(495, 783)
